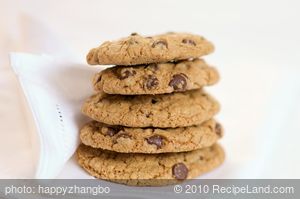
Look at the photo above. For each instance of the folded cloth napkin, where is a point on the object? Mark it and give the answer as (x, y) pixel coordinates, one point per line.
(55, 90)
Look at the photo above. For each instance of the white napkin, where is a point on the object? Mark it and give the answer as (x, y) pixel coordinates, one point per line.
(55, 90)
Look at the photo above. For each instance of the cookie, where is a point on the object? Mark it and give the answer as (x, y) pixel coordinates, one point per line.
(149, 169)
(150, 140)
(137, 49)
(156, 78)
(163, 111)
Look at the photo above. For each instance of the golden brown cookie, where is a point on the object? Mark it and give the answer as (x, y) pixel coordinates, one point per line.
(163, 111)
(149, 169)
(156, 78)
(150, 140)
(137, 49)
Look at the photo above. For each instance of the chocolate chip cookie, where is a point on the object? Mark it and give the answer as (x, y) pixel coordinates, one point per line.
(137, 49)
(163, 111)
(150, 140)
(149, 169)
(156, 78)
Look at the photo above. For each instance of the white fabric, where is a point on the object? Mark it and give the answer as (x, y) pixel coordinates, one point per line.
(55, 91)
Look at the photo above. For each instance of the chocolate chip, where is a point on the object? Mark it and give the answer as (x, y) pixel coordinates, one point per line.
(153, 101)
(133, 34)
(123, 73)
(160, 43)
(189, 41)
(218, 130)
(127, 74)
(156, 140)
(180, 171)
(178, 82)
(151, 82)
(113, 130)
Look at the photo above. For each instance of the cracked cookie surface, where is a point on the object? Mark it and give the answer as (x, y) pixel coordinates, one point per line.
(156, 78)
(149, 169)
(137, 49)
(163, 111)
(150, 140)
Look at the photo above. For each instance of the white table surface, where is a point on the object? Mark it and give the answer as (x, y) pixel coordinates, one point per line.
(257, 54)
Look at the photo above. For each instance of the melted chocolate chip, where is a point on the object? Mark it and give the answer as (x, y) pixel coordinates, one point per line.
(113, 130)
(189, 41)
(151, 82)
(218, 130)
(178, 82)
(133, 34)
(160, 43)
(156, 140)
(153, 101)
(180, 171)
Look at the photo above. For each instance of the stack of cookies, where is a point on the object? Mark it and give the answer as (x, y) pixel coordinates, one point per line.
(152, 121)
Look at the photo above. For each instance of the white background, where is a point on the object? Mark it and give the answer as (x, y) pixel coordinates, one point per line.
(257, 53)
